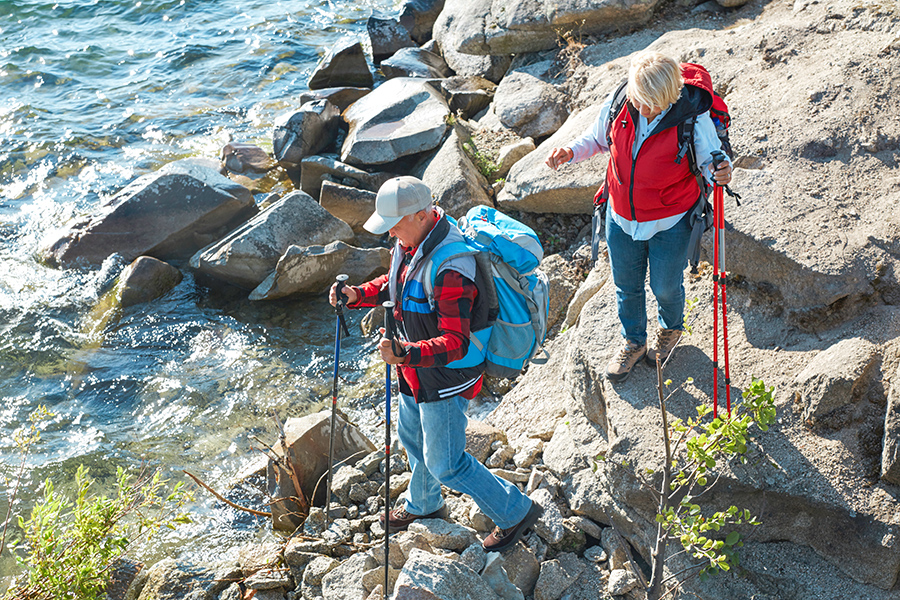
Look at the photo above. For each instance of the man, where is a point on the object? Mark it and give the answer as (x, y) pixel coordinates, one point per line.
(437, 378)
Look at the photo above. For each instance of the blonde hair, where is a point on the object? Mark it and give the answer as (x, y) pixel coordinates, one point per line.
(654, 80)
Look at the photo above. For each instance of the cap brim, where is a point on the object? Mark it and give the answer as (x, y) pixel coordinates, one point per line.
(379, 225)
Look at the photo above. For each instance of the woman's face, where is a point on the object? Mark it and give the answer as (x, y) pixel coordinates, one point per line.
(647, 111)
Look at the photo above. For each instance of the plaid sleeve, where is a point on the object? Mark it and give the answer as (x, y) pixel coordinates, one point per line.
(371, 293)
(454, 296)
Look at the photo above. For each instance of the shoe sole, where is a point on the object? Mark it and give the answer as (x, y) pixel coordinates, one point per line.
(534, 513)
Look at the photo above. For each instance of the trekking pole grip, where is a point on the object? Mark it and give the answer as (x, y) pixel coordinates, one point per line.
(390, 329)
(718, 157)
(341, 301)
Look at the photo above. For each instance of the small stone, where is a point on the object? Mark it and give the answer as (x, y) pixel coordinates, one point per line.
(502, 454)
(529, 452)
(511, 476)
(269, 579)
(596, 554)
(474, 557)
(586, 525)
(621, 581)
(496, 577)
(443, 534)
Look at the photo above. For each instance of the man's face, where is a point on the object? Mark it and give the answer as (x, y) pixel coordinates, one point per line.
(409, 231)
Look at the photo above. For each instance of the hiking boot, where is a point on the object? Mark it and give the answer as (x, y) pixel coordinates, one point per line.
(501, 540)
(400, 518)
(665, 343)
(624, 360)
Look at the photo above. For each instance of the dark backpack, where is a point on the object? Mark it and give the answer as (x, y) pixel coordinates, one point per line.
(701, 217)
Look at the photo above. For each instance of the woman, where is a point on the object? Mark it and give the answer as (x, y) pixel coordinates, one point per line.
(650, 196)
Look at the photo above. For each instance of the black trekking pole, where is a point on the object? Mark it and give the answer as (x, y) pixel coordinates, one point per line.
(339, 324)
(398, 350)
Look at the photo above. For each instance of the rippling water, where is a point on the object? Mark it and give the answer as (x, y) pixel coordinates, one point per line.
(94, 94)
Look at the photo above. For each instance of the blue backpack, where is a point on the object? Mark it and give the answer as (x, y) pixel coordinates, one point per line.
(517, 292)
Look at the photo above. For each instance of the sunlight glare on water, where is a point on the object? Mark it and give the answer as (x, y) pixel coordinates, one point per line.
(92, 96)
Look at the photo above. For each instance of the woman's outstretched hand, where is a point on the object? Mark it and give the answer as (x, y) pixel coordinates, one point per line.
(559, 156)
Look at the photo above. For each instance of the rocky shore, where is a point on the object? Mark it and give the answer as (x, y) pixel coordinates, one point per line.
(470, 97)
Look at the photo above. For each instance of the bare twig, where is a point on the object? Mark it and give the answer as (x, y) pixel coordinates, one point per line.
(12, 499)
(662, 535)
(199, 482)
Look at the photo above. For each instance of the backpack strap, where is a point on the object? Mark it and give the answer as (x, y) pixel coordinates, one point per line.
(437, 260)
(619, 99)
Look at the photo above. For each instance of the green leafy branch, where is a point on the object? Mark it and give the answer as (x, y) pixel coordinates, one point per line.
(700, 444)
(69, 547)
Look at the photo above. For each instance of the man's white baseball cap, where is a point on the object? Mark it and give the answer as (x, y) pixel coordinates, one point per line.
(397, 198)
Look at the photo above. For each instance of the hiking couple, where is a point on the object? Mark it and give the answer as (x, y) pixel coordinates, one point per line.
(648, 224)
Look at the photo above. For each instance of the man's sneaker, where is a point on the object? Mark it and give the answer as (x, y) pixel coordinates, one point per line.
(501, 540)
(665, 343)
(624, 360)
(400, 518)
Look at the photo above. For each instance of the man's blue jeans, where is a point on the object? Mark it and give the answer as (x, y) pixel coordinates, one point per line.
(666, 255)
(434, 435)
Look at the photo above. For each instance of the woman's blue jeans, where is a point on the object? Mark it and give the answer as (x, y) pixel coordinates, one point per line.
(666, 256)
(434, 435)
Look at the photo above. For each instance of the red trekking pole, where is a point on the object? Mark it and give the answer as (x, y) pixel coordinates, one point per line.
(719, 279)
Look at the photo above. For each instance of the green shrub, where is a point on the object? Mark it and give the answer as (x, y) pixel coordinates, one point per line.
(67, 547)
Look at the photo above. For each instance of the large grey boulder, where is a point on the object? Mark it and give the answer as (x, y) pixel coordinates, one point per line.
(527, 101)
(455, 182)
(304, 132)
(144, 280)
(312, 269)
(344, 65)
(440, 578)
(341, 97)
(314, 170)
(168, 214)
(532, 186)
(249, 254)
(490, 67)
(415, 62)
(351, 205)
(307, 440)
(890, 458)
(402, 117)
(387, 37)
(418, 16)
(836, 378)
(479, 27)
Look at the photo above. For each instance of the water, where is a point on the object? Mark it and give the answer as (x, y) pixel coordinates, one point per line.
(92, 95)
